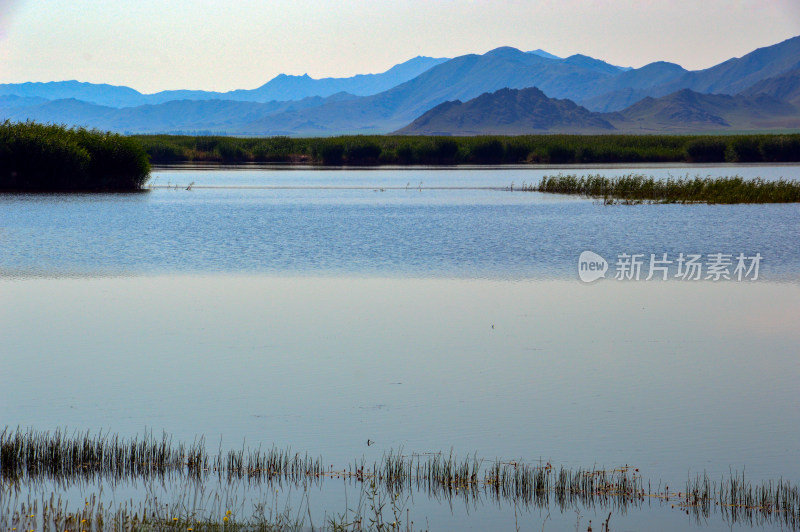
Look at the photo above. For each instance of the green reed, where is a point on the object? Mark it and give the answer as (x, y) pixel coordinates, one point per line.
(207, 488)
(487, 149)
(634, 188)
(37, 157)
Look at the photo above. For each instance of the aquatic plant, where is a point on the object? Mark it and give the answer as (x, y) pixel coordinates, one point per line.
(486, 149)
(206, 489)
(641, 188)
(49, 157)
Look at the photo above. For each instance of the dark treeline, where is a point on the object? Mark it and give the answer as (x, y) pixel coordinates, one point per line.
(409, 150)
(39, 157)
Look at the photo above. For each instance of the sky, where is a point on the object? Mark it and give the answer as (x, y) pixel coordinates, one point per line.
(154, 45)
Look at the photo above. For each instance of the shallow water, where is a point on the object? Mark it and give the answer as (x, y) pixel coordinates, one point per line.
(429, 320)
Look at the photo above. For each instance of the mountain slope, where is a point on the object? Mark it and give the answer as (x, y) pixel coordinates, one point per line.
(735, 75)
(529, 111)
(784, 87)
(590, 63)
(11, 101)
(69, 111)
(631, 86)
(729, 77)
(687, 110)
(507, 112)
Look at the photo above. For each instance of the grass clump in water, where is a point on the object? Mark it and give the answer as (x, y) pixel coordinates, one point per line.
(38, 157)
(637, 188)
(206, 490)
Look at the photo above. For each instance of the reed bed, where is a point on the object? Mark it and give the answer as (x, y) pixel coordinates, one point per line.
(38, 454)
(38, 157)
(485, 149)
(33, 458)
(638, 188)
(275, 464)
(740, 500)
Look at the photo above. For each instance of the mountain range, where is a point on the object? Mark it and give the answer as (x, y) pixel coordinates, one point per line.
(280, 88)
(760, 90)
(508, 112)
(530, 111)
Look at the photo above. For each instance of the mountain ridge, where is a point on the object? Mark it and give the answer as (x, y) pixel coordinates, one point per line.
(507, 112)
(590, 83)
(283, 87)
(729, 77)
(530, 111)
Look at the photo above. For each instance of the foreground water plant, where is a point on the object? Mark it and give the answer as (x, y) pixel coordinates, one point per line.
(206, 490)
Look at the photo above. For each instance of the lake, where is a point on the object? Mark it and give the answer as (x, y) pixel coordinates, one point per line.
(349, 313)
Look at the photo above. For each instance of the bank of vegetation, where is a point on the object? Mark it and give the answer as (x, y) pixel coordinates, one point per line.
(635, 188)
(430, 150)
(37, 157)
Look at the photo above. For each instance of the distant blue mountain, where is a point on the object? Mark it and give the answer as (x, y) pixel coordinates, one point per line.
(583, 60)
(542, 53)
(687, 110)
(461, 78)
(380, 103)
(591, 63)
(103, 94)
(11, 101)
(729, 77)
(578, 78)
(631, 86)
(281, 88)
(286, 87)
(508, 112)
(177, 116)
(527, 111)
(785, 87)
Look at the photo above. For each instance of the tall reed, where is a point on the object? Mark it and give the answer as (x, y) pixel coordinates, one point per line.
(641, 188)
(37, 157)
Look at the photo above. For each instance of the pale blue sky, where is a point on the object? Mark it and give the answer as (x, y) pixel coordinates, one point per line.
(152, 45)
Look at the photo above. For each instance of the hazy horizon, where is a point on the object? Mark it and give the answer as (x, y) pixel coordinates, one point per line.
(151, 45)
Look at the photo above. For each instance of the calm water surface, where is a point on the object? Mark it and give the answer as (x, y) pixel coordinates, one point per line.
(429, 318)
(421, 232)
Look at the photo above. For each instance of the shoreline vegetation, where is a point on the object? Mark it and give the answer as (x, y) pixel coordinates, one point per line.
(40, 460)
(636, 188)
(49, 158)
(375, 150)
(39, 157)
